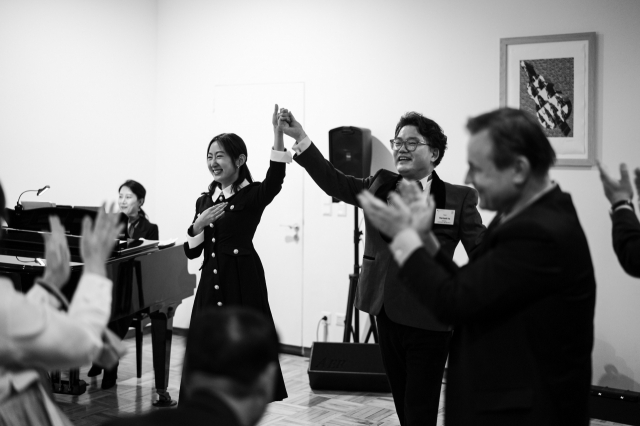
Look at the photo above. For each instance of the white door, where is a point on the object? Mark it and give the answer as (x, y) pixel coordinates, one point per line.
(246, 111)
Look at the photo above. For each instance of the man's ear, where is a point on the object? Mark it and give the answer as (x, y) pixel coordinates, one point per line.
(241, 160)
(521, 169)
(435, 154)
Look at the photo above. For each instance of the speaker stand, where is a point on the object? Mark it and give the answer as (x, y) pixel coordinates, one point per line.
(352, 317)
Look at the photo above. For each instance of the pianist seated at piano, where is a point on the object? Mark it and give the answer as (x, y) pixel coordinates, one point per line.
(36, 335)
(130, 199)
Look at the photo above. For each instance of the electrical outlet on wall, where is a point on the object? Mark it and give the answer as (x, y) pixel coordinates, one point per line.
(340, 320)
(328, 315)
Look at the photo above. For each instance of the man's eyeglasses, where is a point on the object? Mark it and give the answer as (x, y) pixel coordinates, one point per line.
(410, 144)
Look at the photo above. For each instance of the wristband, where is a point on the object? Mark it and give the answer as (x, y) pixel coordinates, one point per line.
(52, 290)
(622, 203)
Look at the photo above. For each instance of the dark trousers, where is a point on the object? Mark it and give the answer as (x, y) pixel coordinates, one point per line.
(414, 361)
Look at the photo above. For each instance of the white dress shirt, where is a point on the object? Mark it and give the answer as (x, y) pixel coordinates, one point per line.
(34, 334)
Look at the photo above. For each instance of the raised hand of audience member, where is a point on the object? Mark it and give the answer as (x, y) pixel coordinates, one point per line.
(421, 205)
(98, 239)
(390, 219)
(56, 253)
(617, 190)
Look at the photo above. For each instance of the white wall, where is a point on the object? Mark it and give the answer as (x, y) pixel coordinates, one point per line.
(364, 63)
(77, 98)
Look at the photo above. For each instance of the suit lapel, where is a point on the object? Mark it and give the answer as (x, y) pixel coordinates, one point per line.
(438, 191)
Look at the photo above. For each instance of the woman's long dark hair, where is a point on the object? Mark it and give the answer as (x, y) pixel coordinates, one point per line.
(234, 146)
(139, 191)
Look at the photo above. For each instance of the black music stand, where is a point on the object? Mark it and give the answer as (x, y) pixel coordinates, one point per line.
(351, 322)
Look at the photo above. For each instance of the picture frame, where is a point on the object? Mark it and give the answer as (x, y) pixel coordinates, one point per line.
(554, 78)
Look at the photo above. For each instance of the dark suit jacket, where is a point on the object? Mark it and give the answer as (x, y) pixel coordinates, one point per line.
(626, 240)
(379, 284)
(200, 409)
(143, 229)
(523, 315)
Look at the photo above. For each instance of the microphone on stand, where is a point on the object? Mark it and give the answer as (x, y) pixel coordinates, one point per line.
(39, 191)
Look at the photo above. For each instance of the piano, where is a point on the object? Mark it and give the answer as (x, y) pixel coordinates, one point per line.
(147, 280)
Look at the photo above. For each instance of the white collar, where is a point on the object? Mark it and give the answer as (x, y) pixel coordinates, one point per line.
(425, 181)
(228, 191)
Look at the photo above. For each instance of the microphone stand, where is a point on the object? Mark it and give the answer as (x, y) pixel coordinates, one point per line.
(352, 318)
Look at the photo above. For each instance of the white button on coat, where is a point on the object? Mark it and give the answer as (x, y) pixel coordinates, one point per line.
(235, 251)
(219, 303)
(213, 255)
(216, 287)
(231, 207)
(215, 271)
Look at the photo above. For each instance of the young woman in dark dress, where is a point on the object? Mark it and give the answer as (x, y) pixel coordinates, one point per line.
(130, 200)
(225, 221)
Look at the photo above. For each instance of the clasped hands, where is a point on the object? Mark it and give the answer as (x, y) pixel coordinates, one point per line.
(411, 209)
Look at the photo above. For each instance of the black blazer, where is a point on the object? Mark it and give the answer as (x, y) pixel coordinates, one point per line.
(143, 229)
(523, 315)
(379, 284)
(626, 240)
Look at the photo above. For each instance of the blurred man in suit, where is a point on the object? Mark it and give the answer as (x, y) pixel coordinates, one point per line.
(626, 227)
(413, 343)
(229, 371)
(523, 306)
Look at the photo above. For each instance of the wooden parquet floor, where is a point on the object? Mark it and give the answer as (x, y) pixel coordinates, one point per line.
(304, 406)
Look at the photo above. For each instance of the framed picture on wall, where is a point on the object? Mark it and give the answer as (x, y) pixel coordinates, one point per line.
(553, 77)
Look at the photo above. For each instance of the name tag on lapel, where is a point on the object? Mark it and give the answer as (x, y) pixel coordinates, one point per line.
(444, 216)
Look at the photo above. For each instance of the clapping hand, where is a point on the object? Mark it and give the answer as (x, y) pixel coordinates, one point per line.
(411, 209)
(208, 216)
(57, 269)
(616, 190)
(98, 239)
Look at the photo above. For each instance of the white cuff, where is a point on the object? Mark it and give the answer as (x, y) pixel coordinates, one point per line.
(281, 156)
(301, 146)
(195, 241)
(624, 206)
(404, 244)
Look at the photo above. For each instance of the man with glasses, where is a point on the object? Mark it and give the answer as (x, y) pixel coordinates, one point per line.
(413, 343)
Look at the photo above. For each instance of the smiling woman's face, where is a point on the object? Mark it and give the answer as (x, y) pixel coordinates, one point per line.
(129, 202)
(221, 165)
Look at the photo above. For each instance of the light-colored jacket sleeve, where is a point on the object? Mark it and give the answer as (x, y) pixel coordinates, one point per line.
(35, 334)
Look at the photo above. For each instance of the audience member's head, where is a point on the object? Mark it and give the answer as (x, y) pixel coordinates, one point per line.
(509, 158)
(233, 353)
(515, 133)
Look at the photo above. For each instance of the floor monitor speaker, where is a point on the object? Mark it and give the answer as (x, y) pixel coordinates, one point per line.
(353, 367)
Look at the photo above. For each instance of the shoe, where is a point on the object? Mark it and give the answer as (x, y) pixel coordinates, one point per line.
(94, 371)
(109, 378)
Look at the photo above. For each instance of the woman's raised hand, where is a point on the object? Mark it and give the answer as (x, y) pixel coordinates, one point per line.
(207, 217)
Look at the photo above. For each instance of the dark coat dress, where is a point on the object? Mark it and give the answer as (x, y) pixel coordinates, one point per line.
(232, 273)
(626, 240)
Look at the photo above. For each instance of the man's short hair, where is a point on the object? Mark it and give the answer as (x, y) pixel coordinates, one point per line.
(427, 128)
(233, 342)
(515, 132)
